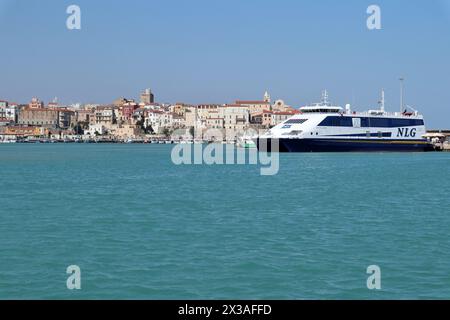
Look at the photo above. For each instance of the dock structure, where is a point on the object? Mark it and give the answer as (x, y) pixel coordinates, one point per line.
(439, 138)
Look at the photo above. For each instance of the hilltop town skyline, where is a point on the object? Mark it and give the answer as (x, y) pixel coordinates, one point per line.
(212, 53)
(125, 119)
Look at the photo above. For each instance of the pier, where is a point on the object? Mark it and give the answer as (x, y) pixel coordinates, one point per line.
(8, 140)
(440, 139)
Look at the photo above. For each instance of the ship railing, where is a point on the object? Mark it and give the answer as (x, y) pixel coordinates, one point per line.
(386, 114)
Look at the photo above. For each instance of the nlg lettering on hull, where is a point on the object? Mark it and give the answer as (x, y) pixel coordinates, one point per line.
(407, 132)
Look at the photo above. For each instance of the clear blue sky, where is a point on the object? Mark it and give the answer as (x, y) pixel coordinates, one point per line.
(205, 51)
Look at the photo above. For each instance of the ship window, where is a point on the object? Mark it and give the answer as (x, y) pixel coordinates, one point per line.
(379, 122)
(368, 134)
(380, 134)
(296, 121)
(390, 123)
(340, 121)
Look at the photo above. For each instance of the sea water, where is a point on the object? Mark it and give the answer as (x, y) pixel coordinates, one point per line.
(140, 227)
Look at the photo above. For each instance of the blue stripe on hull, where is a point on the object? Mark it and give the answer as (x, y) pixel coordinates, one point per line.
(339, 145)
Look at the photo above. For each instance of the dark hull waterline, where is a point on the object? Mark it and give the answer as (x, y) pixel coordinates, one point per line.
(342, 145)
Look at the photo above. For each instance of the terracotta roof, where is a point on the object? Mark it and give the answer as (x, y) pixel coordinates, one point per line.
(40, 109)
(280, 113)
(262, 112)
(251, 102)
(213, 105)
(235, 105)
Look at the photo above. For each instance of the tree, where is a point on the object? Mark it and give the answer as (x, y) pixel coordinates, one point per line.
(166, 132)
(78, 129)
(192, 132)
(141, 124)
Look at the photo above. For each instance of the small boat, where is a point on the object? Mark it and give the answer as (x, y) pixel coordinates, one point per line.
(246, 143)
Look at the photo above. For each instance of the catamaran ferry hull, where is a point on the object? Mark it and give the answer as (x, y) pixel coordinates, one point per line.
(352, 145)
(341, 145)
(326, 128)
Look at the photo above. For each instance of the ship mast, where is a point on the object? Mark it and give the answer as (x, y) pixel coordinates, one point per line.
(325, 98)
(401, 94)
(382, 101)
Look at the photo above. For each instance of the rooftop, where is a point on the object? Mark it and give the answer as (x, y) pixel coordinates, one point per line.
(252, 102)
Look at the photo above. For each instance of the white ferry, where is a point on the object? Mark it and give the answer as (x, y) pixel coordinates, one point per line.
(323, 127)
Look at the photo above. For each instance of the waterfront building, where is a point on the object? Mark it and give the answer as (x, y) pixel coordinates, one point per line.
(126, 112)
(152, 106)
(190, 117)
(176, 121)
(205, 111)
(62, 134)
(123, 101)
(263, 119)
(152, 119)
(78, 106)
(84, 116)
(36, 104)
(235, 117)
(125, 132)
(53, 105)
(280, 106)
(24, 132)
(96, 129)
(8, 113)
(147, 97)
(44, 117)
(214, 123)
(66, 118)
(281, 116)
(105, 116)
(88, 106)
(257, 106)
(157, 120)
(179, 108)
(3, 121)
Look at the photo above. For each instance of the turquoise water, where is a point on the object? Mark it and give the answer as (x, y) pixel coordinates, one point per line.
(140, 227)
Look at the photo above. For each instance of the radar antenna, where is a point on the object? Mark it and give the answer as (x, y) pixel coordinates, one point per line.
(382, 102)
(401, 94)
(325, 101)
